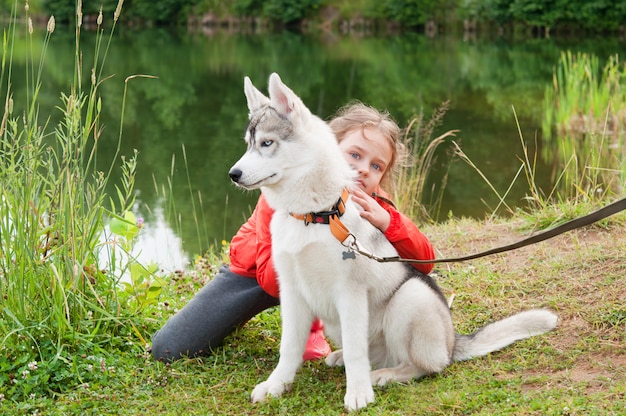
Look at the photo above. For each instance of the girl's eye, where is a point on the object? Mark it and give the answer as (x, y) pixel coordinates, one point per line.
(267, 143)
(376, 166)
(355, 155)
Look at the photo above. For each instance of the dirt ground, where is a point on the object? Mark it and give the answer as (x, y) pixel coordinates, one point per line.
(581, 274)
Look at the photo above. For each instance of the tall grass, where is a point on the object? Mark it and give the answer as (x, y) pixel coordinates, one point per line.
(411, 195)
(584, 99)
(58, 304)
(584, 128)
(583, 139)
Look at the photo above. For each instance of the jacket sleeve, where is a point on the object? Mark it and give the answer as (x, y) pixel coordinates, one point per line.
(408, 240)
(266, 274)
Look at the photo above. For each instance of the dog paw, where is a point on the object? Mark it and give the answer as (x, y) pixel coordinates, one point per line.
(381, 377)
(335, 359)
(265, 389)
(358, 398)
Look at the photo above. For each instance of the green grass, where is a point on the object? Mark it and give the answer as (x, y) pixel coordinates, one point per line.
(576, 369)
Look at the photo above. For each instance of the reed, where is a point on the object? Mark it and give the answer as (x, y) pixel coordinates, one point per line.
(411, 196)
(584, 128)
(584, 99)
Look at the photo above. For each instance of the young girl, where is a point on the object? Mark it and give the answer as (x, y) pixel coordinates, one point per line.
(371, 144)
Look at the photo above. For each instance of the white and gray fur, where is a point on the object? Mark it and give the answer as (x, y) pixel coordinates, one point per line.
(385, 316)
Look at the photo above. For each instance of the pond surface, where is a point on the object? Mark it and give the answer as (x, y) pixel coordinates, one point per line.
(188, 124)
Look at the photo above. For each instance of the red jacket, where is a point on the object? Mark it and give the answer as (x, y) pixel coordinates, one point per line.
(251, 248)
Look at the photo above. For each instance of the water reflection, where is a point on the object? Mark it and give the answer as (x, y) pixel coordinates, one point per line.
(198, 102)
(156, 243)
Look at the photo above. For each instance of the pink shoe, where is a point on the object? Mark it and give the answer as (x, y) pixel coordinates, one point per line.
(316, 345)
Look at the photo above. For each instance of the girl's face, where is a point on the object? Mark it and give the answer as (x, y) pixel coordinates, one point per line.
(369, 153)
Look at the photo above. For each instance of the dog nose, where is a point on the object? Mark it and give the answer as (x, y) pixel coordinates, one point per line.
(235, 174)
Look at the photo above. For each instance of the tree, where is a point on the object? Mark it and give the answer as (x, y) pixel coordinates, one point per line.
(289, 11)
(410, 12)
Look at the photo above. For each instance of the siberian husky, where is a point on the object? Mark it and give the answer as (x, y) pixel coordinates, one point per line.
(385, 316)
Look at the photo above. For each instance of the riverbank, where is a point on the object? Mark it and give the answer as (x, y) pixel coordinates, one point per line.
(580, 368)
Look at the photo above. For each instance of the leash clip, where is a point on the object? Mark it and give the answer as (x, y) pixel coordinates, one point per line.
(350, 243)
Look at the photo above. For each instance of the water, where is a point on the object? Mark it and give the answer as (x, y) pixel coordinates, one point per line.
(189, 123)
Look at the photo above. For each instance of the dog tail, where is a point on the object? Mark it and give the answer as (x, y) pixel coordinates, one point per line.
(501, 333)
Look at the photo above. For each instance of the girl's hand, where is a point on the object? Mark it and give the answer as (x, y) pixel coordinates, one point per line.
(372, 211)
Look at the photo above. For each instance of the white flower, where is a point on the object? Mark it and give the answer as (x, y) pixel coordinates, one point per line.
(32, 366)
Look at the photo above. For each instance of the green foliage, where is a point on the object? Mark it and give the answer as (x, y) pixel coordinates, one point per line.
(60, 303)
(247, 7)
(63, 11)
(410, 12)
(289, 11)
(36, 370)
(162, 11)
(585, 114)
(583, 97)
(591, 15)
(597, 14)
(141, 289)
(489, 10)
(545, 13)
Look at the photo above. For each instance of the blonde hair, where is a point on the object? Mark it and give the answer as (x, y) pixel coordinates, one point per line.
(357, 115)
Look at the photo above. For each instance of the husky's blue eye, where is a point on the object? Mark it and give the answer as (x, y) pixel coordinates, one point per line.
(267, 143)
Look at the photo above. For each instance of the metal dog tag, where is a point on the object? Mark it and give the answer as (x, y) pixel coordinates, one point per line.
(345, 255)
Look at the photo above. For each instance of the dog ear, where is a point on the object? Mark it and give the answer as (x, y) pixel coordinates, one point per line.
(282, 98)
(255, 98)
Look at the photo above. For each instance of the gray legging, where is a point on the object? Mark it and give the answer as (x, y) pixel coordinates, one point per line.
(224, 303)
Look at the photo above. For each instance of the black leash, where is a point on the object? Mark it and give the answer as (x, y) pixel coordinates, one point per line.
(595, 216)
